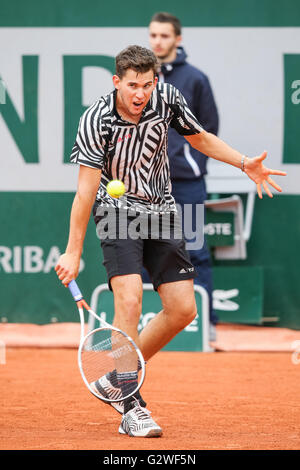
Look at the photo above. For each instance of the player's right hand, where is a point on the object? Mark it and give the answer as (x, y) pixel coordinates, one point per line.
(67, 268)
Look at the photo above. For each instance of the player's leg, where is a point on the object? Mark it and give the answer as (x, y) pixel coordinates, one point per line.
(128, 294)
(122, 258)
(127, 290)
(179, 310)
(123, 261)
(172, 275)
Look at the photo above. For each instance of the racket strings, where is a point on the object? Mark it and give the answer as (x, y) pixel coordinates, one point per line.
(109, 357)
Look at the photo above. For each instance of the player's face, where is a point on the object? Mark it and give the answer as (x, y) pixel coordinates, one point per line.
(163, 41)
(134, 91)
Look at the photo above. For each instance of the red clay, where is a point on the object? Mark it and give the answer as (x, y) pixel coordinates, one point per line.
(201, 400)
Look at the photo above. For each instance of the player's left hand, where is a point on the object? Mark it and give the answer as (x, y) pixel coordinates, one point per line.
(256, 170)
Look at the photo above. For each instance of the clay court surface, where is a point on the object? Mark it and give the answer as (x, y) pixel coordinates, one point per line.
(209, 401)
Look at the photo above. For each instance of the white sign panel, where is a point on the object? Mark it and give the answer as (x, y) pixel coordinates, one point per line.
(244, 65)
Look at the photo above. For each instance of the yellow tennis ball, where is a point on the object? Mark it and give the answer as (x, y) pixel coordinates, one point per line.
(115, 188)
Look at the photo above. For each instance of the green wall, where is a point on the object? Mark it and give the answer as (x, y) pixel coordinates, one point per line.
(194, 13)
(274, 245)
(34, 229)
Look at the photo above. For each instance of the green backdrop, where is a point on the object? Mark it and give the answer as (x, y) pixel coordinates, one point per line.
(195, 13)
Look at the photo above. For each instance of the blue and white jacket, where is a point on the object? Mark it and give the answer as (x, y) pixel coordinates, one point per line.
(186, 163)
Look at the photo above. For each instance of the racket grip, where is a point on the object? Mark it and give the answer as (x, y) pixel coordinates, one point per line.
(75, 291)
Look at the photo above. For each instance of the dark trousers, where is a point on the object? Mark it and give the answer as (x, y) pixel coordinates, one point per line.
(194, 192)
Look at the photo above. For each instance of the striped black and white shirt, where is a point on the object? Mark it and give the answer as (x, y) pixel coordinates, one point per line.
(134, 153)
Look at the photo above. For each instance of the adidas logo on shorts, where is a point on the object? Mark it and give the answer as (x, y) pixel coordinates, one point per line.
(185, 271)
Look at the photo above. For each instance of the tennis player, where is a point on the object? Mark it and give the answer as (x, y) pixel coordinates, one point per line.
(123, 135)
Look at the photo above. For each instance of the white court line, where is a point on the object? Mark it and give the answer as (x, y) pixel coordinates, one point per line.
(2, 352)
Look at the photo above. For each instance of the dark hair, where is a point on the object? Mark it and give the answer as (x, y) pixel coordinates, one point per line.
(137, 58)
(164, 17)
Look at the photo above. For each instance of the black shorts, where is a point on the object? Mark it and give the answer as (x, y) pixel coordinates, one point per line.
(163, 255)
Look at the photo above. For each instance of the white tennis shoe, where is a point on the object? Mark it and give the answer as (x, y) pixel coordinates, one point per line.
(137, 422)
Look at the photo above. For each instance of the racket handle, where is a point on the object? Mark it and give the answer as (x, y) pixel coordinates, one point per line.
(75, 291)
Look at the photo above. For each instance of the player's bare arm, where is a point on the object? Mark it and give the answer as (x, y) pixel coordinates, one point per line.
(88, 182)
(216, 148)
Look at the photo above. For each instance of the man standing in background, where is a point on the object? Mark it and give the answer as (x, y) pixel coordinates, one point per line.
(187, 165)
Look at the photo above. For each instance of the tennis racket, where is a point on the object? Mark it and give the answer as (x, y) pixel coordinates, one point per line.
(107, 357)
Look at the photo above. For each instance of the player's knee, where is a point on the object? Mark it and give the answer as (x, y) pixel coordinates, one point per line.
(131, 306)
(185, 314)
(190, 314)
